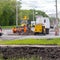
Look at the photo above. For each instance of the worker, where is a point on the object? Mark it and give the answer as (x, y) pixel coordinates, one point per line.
(14, 30)
(28, 26)
(56, 31)
(25, 28)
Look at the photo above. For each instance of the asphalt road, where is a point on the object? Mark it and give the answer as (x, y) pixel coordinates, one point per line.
(8, 35)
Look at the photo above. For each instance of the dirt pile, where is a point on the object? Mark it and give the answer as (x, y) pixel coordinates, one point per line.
(28, 32)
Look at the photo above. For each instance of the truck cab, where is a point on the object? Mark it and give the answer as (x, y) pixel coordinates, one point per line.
(42, 25)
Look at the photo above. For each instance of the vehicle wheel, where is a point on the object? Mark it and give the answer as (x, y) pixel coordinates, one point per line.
(44, 33)
(34, 33)
(47, 31)
(0, 34)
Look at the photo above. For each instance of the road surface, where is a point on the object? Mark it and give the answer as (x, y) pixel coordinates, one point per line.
(8, 35)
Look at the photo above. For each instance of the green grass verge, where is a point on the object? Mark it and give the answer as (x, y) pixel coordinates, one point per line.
(31, 42)
(7, 27)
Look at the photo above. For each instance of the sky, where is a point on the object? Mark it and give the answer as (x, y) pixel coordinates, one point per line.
(47, 6)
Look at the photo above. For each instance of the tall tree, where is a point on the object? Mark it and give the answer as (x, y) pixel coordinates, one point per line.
(8, 12)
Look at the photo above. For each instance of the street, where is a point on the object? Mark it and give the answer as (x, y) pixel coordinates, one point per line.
(8, 35)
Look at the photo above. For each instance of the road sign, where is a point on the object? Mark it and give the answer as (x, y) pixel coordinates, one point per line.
(25, 17)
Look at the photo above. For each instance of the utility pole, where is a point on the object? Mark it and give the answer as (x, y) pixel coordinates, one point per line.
(56, 14)
(16, 14)
(33, 6)
(56, 28)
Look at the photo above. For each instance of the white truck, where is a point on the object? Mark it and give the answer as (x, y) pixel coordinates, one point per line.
(44, 21)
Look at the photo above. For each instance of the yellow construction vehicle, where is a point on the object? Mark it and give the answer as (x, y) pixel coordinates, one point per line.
(39, 29)
(42, 25)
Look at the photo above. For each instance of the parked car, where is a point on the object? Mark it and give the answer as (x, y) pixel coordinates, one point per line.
(0, 32)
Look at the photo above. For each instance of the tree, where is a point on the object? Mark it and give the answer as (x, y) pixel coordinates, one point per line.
(29, 13)
(8, 12)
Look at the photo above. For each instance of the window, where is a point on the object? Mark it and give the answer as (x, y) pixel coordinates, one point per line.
(44, 21)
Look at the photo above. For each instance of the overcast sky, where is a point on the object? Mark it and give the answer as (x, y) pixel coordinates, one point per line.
(47, 6)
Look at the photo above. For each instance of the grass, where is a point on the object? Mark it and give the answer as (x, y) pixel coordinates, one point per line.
(55, 41)
(24, 58)
(7, 27)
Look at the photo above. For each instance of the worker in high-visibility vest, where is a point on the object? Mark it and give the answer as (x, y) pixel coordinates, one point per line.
(25, 28)
(14, 30)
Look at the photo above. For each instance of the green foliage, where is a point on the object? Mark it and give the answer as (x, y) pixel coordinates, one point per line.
(41, 13)
(29, 14)
(55, 41)
(8, 27)
(8, 12)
